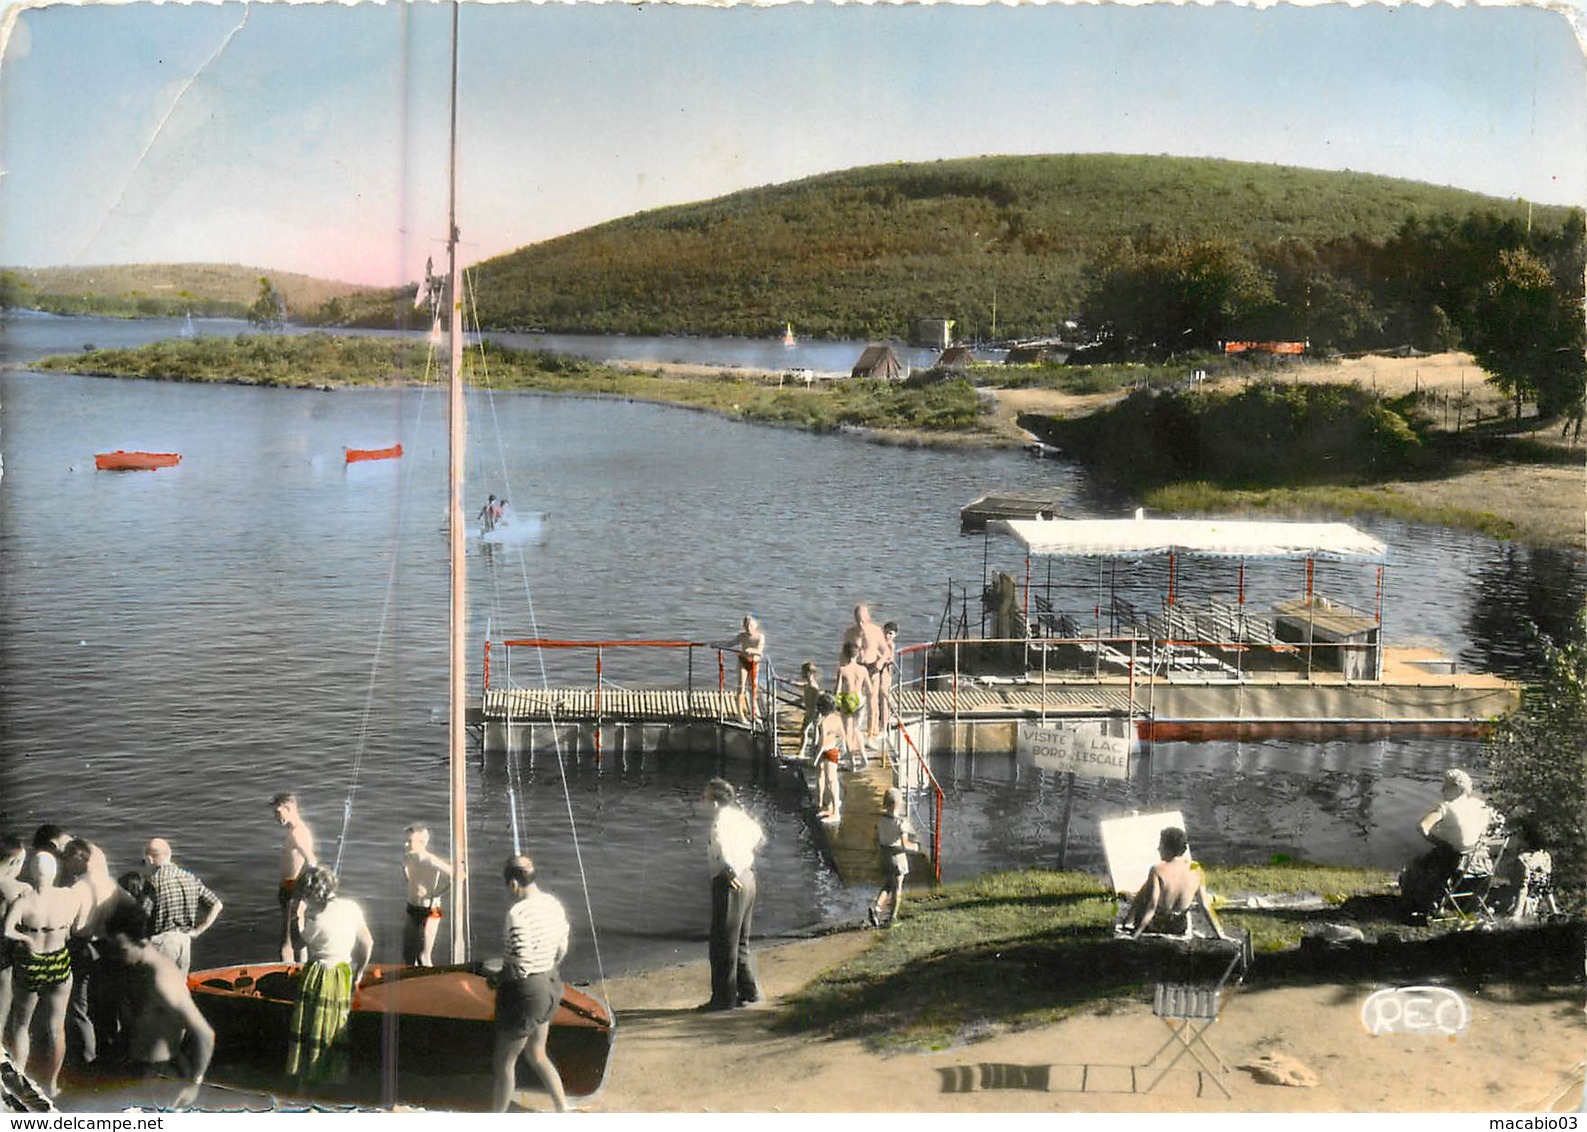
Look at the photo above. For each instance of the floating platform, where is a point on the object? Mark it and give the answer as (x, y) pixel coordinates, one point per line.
(975, 516)
(1418, 693)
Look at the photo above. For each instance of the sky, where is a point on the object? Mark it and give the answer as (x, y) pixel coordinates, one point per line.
(313, 137)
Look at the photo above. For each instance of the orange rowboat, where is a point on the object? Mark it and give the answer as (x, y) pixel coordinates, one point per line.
(119, 461)
(356, 454)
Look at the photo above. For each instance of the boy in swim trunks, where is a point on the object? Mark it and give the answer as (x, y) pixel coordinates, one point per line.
(428, 879)
(869, 645)
(849, 693)
(166, 1032)
(40, 923)
(751, 644)
(297, 854)
(829, 748)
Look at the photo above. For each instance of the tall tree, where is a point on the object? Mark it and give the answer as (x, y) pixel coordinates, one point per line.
(1537, 758)
(1165, 295)
(269, 311)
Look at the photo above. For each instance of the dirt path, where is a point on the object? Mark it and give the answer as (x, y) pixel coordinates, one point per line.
(1518, 1054)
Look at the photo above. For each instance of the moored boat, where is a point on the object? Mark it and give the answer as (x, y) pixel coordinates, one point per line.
(354, 455)
(440, 1021)
(120, 461)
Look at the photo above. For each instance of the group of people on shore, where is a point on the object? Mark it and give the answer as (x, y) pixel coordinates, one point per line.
(101, 961)
(96, 966)
(329, 935)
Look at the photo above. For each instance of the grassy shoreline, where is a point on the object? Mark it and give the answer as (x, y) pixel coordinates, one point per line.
(1018, 949)
(948, 414)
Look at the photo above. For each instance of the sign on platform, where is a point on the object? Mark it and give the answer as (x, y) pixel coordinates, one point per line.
(1052, 746)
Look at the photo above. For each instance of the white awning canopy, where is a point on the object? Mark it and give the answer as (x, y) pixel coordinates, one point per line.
(1216, 538)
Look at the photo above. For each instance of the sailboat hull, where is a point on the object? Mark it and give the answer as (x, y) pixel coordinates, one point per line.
(440, 1020)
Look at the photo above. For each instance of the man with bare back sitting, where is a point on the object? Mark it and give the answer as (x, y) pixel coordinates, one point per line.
(1173, 886)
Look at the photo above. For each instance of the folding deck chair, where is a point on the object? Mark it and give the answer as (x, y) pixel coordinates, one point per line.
(1200, 967)
(1467, 895)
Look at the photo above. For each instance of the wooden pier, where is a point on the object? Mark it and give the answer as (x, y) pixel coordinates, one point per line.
(849, 844)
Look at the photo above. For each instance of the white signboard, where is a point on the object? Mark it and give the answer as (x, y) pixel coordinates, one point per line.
(1052, 746)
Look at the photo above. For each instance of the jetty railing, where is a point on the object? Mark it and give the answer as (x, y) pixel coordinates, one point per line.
(937, 797)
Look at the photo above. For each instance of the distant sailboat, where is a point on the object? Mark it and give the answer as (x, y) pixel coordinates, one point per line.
(788, 338)
(187, 327)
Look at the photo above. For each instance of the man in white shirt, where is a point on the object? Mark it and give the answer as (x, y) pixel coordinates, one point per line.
(534, 940)
(735, 836)
(1455, 827)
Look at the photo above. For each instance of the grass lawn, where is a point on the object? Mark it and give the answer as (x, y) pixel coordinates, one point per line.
(1026, 948)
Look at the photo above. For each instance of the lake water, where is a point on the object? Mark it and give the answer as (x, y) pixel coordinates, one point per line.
(177, 646)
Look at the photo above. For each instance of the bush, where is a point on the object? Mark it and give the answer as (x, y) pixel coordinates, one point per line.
(1537, 759)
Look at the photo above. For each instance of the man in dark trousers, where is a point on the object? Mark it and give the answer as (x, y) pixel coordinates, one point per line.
(735, 836)
(534, 943)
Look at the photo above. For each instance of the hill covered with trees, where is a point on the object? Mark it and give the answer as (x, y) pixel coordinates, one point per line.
(1018, 242)
(150, 290)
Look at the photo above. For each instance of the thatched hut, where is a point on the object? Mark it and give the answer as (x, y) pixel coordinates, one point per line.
(955, 357)
(880, 362)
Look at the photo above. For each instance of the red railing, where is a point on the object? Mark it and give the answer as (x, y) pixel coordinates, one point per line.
(937, 797)
(601, 647)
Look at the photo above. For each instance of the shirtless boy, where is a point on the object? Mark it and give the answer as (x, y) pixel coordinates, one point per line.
(829, 747)
(297, 854)
(40, 923)
(869, 646)
(849, 690)
(428, 878)
(167, 1028)
(751, 645)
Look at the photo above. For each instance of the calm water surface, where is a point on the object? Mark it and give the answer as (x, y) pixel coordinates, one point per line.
(177, 646)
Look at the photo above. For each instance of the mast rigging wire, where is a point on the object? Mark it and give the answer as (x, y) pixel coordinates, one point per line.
(516, 799)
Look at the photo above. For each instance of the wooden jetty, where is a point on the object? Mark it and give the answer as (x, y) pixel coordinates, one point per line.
(584, 719)
(848, 844)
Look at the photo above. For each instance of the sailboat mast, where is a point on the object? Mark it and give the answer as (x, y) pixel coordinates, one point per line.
(457, 613)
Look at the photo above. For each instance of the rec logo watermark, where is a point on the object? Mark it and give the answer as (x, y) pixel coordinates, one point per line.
(1416, 1010)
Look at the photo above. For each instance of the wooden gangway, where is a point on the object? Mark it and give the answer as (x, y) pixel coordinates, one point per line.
(1012, 700)
(621, 705)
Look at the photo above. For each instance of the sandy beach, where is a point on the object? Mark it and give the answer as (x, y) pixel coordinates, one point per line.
(1522, 1052)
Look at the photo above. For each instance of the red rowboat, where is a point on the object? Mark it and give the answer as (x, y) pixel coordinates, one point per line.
(356, 454)
(119, 461)
(438, 1022)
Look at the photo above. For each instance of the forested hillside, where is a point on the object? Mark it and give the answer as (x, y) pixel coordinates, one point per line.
(863, 253)
(170, 289)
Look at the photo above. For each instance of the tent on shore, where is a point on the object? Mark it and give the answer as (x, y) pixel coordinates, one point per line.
(880, 362)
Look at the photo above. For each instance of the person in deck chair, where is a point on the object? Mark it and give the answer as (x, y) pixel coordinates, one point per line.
(1173, 886)
(1455, 827)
